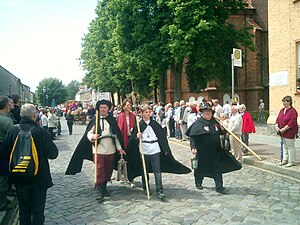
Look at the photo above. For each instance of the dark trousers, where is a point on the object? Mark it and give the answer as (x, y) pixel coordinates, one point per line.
(217, 178)
(70, 126)
(153, 161)
(105, 166)
(32, 200)
(50, 129)
(171, 127)
(245, 139)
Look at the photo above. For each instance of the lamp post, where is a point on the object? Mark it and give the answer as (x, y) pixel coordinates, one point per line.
(9, 89)
(44, 92)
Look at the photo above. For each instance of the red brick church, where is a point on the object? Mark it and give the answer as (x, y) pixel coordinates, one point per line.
(252, 79)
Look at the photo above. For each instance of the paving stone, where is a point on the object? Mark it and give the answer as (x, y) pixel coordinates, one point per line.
(255, 196)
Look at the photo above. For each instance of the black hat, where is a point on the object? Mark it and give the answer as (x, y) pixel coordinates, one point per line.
(103, 102)
(206, 106)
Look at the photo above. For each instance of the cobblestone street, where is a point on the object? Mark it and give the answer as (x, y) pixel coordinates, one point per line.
(255, 196)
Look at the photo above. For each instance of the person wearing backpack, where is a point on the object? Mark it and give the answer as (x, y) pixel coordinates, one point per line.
(31, 190)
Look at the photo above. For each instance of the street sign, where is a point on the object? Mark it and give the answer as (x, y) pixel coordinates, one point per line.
(237, 57)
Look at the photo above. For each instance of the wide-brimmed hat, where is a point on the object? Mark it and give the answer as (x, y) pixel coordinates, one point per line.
(206, 106)
(103, 102)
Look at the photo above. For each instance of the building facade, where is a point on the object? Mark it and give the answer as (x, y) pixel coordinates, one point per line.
(251, 80)
(284, 50)
(10, 84)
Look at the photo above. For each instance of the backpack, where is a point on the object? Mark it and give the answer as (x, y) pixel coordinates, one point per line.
(23, 161)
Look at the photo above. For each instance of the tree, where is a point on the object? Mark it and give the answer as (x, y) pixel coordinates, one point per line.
(72, 89)
(139, 40)
(49, 89)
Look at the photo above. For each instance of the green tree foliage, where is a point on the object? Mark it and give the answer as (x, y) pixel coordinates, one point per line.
(138, 41)
(72, 89)
(51, 88)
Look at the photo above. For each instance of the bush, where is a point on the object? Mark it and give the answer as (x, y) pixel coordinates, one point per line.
(255, 115)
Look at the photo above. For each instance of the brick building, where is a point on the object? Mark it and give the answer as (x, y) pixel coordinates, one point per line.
(251, 80)
(284, 50)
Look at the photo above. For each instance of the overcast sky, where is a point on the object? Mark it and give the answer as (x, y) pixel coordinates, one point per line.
(42, 38)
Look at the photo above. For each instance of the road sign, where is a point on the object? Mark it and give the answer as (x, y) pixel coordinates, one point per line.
(237, 57)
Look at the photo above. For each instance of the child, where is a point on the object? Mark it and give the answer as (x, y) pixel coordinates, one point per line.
(157, 153)
(151, 150)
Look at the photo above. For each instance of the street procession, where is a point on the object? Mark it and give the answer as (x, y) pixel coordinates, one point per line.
(149, 112)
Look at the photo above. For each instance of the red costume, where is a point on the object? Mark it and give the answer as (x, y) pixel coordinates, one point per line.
(122, 123)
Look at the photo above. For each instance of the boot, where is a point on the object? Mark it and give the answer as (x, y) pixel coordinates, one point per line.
(106, 193)
(101, 189)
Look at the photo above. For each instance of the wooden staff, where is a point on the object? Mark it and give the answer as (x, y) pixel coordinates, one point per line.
(140, 141)
(239, 140)
(96, 145)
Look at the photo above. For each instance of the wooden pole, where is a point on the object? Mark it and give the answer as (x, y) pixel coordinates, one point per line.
(239, 140)
(96, 144)
(140, 143)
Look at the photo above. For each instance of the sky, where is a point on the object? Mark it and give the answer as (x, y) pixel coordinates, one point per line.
(42, 38)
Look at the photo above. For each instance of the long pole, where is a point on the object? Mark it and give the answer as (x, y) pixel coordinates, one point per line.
(96, 145)
(232, 77)
(239, 140)
(140, 143)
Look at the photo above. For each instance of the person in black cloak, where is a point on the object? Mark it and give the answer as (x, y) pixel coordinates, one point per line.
(157, 153)
(206, 145)
(110, 146)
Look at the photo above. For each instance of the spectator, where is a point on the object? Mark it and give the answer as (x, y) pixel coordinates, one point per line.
(5, 124)
(287, 127)
(235, 126)
(16, 111)
(247, 127)
(70, 121)
(261, 110)
(31, 194)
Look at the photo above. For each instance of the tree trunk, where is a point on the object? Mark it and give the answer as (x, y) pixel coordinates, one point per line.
(162, 87)
(155, 93)
(176, 71)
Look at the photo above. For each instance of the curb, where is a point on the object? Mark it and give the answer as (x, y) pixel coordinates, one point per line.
(273, 165)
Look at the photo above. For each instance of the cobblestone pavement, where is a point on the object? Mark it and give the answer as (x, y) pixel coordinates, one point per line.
(255, 196)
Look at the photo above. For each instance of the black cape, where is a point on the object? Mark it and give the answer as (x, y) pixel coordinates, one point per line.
(205, 137)
(168, 163)
(84, 148)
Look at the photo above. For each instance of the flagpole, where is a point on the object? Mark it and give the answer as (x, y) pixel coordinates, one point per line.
(140, 142)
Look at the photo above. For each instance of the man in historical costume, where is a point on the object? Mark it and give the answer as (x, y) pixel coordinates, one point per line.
(156, 150)
(110, 146)
(206, 145)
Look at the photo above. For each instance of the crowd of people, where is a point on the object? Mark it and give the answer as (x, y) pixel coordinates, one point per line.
(140, 135)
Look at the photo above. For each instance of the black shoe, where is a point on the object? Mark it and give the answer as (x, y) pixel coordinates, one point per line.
(106, 194)
(222, 190)
(199, 186)
(160, 195)
(100, 197)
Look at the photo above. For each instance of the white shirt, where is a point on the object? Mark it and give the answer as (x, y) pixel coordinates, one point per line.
(149, 135)
(44, 120)
(106, 146)
(235, 123)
